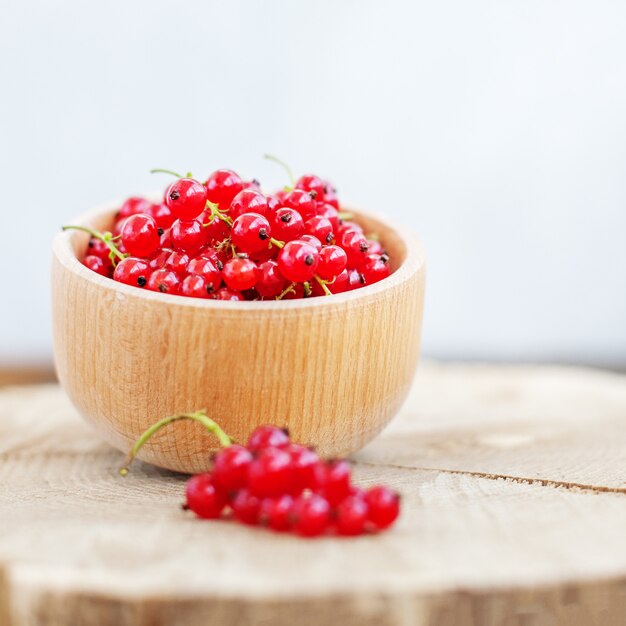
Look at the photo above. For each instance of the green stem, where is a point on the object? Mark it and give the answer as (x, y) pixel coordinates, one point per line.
(199, 416)
(322, 284)
(107, 238)
(277, 243)
(288, 289)
(271, 157)
(159, 170)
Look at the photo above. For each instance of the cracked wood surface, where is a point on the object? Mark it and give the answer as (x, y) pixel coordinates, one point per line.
(513, 478)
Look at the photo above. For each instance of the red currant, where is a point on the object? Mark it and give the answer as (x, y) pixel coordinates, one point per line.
(330, 213)
(333, 480)
(231, 467)
(356, 247)
(246, 507)
(177, 262)
(164, 281)
(195, 286)
(96, 264)
(132, 271)
(228, 294)
(268, 436)
(162, 215)
(188, 237)
(222, 186)
(240, 273)
(140, 235)
(132, 206)
(383, 506)
(276, 513)
(375, 267)
(320, 228)
(311, 182)
(97, 247)
(311, 515)
(271, 281)
(333, 261)
(301, 201)
(251, 232)
(248, 201)
(287, 224)
(303, 467)
(298, 261)
(206, 268)
(186, 198)
(203, 497)
(216, 230)
(310, 239)
(270, 473)
(351, 516)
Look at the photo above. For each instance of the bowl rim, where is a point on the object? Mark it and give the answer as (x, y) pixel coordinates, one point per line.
(414, 261)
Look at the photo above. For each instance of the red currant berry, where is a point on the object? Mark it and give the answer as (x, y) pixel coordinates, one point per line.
(246, 507)
(164, 281)
(271, 281)
(351, 516)
(333, 480)
(303, 465)
(222, 186)
(177, 262)
(311, 515)
(355, 279)
(270, 473)
(140, 235)
(276, 513)
(97, 247)
(240, 273)
(195, 286)
(375, 247)
(375, 267)
(346, 227)
(273, 204)
(314, 241)
(216, 230)
(96, 264)
(132, 271)
(188, 237)
(287, 224)
(356, 247)
(228, 294)
(298, 261)
(165, 240)
(311, 182)
(248, 201)
(330, 213)
(330, 196)
(230, 470)
(162, 215)
(333, 261)
(320, 228)
(133, 206)
(186, 198)
(208, 269)
(268, 437)
(301, 201)
(251, 232)
(383, 506)
(203, 497)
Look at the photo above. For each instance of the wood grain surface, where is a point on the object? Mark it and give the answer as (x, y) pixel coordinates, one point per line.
(514, 485)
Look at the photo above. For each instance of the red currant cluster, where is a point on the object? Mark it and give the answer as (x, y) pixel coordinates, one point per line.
(281, 485)
(287, 487)
(225, 239)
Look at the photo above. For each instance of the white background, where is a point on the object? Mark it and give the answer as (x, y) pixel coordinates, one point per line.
(496, 129)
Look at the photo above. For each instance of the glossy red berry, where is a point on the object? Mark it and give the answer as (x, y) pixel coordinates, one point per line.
(96, 264)
(208, 269)
(383, 506)
(375, 267)
(164, 280)
(195, 286)
(287, 224)
(351, 516)
(132, 271)
(162, 215)
(186, 198)
(312, 240)
(320, 228)
(246, 507)
(270, 473)
(303, 467)
(311, 182)
(333, 480)
(356, 247)
(140, 235)
(240, 273)
(188, 237)
(97, 247)
(251, 232)
(277, 513)
(298, 261)
(176, 262)
(203, 497)
(330, 213)
(311, 514)
(333, 261)
(302, 201)
(271, 281)
(133, 206)
(222, 186)
(224, 293)
(231, 467)
(248, 201)
(268, 436)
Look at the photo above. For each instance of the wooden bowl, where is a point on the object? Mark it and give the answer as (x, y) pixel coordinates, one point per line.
(333, 369)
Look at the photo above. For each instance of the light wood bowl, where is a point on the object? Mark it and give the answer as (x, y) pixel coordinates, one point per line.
(334, 369)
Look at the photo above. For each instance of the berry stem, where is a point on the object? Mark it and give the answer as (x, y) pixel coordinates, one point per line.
(160, 170)
(199, 416)
(271, 157)
(288, 289)
(277, 243)
(215, 212)
(107, 238)
(322, 284)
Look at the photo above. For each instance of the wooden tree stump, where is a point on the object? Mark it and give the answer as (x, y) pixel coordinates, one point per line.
(514, 485)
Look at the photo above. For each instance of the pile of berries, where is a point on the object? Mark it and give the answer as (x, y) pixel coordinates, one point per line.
(225, 239)
(281, 485)
(287, 487)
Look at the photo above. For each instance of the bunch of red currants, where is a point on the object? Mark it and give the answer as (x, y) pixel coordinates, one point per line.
(286, 487)
(225, 239)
